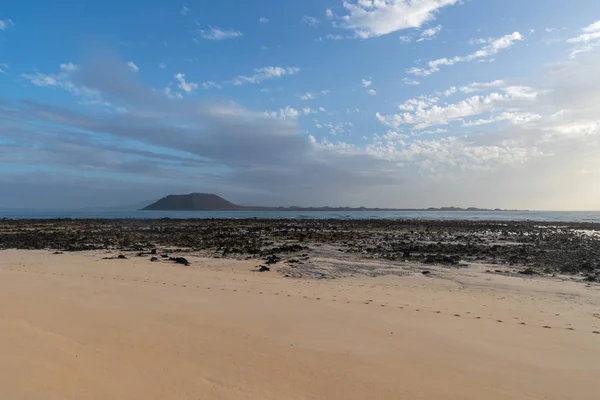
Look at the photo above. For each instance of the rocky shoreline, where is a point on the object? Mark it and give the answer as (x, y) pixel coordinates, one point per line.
(292, 246)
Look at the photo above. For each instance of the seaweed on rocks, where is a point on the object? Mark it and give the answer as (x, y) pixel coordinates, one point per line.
(571, 248)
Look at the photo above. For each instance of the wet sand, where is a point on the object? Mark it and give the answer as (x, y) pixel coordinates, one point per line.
(78, 326)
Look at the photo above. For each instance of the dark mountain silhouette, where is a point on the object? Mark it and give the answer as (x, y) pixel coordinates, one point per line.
(193, 202)
(212, 202)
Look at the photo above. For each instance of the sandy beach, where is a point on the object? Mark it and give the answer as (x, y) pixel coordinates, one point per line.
(78, 326)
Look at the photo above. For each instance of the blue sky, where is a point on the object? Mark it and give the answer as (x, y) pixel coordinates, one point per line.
(405, 103)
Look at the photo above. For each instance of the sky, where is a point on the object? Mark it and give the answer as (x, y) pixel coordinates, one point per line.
(378, 103)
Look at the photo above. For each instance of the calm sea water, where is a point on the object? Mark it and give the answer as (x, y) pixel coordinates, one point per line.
(546, 216)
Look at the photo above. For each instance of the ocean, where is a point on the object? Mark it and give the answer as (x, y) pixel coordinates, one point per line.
(542, 216)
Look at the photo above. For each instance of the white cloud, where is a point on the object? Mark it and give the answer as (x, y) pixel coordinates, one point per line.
(210, 84)
(172, 95)
(6, 23)
(423, 112)
(64, 80)
(480, 41)
(263, 74)
(187, 87)
(331, 36)
(310, 21)
(184, 10)
(313, 95)
(132, 66)
(481, 86)
(366, 83)
(39, 79)
(293, 113)
(448, 92)
(69, 67)
(517, 118)
(430, 33)
(215, 33)
(587, 40)
(162, 65)
(371, 18)
(405, 39)
(490, 49)
(263, 20)
(336, 129)
(285, 113)
(3, 68)
(410, 82)
(329, 13)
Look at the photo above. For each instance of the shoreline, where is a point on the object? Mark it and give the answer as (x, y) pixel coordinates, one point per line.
(534, 248)
(120, 214)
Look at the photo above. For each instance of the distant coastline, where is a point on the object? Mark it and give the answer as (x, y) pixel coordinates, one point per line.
(213, 202)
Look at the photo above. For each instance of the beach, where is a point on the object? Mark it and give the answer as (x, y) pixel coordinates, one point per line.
(89, 324)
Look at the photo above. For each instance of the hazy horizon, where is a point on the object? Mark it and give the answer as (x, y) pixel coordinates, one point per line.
(141, 204)
(399, 104)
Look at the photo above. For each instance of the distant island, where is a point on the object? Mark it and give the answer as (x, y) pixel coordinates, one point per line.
(212, 202)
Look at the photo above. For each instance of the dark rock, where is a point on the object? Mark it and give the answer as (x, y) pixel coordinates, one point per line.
(426, 272)
(289, 248)
(153, 252)
(121, 257)
(441, 259)
(528, 271)
(164, 255)
(272, 259)
(179, 260)
(263, 268)
(58, 252)
(154, 259)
